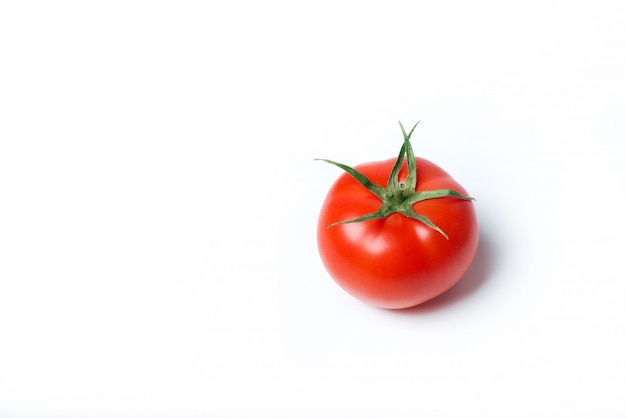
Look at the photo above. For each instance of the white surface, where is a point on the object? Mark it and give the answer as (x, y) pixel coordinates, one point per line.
(158, 202)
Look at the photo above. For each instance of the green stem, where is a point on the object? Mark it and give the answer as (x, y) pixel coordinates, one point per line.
(398, 197)
(411, 181)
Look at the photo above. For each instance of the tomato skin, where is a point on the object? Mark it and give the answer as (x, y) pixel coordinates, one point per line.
(396, 262)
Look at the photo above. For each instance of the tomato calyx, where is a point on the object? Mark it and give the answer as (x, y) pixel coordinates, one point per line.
(398, 197)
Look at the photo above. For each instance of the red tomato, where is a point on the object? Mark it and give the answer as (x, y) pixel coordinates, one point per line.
(399, 254)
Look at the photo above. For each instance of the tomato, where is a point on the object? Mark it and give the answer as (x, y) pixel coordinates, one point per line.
(398, 232)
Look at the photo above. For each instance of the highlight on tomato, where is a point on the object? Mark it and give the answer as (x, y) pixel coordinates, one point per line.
(397, 233)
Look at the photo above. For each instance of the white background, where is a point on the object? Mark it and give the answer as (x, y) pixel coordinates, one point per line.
(158, 204)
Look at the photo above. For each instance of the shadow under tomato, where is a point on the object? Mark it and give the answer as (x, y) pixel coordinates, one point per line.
(476, 276)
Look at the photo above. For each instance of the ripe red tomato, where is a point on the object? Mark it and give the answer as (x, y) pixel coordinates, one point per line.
(397, 246)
